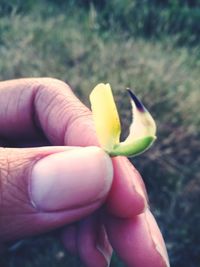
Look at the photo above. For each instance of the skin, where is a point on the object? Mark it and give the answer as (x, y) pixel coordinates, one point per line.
(52, 174)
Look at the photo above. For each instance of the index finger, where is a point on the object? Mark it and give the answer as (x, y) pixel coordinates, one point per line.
(27, 105)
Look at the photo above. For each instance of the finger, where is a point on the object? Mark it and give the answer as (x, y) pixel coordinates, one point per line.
(93, 245)
(127, 197)
(44, 188)
(138, 241)
(91, 229)
(27, 105)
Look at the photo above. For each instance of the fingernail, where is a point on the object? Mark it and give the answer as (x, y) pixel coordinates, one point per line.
(104, 255)
(103, 245)
(140, 181)
(70, 179)
(157, 238)
(136, 183)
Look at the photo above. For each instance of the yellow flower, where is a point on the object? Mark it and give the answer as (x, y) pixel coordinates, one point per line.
(108, 128)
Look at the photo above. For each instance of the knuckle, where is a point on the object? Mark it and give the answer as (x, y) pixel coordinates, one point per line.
(58, 105)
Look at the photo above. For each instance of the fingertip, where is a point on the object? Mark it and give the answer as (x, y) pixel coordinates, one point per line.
(127, 197)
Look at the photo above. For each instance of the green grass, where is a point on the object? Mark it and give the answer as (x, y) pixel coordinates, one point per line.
(72, 45)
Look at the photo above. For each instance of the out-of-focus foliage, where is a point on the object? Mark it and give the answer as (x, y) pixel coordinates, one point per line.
(155, 18)
(150, 46)
(147, 18)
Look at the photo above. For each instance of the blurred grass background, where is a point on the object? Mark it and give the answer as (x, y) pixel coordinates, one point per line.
(151, 46)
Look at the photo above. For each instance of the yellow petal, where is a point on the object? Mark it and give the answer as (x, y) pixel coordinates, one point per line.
(143, 124)
(105, 116)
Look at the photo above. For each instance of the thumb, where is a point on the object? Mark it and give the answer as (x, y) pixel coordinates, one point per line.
(47, 187)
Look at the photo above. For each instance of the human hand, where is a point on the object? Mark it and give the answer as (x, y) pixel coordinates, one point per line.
(50, 176)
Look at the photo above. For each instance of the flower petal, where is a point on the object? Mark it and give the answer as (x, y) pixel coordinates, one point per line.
(143, 124)
(142, 131)
(105, 116)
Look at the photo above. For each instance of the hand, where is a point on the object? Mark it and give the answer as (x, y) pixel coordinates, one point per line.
(53, 174)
